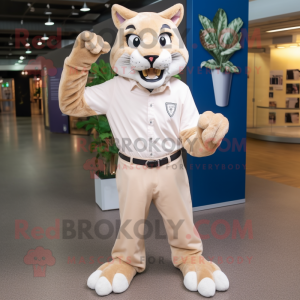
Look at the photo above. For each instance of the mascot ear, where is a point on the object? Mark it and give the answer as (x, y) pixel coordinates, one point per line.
(174, 13)
(120, 14)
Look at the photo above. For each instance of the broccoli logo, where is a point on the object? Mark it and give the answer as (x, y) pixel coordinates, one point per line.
(39, 258)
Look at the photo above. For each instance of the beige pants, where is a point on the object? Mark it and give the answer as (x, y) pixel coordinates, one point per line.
(168, 188)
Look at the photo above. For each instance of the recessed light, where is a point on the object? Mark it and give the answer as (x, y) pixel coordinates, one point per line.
(85, 7)
(49, 22)
(284, 29)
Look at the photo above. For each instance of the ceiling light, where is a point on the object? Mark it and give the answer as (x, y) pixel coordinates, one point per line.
(27, 44)
(45, 38)
(32, 9)
(84, 7)
(22, 57)
(10, 43)
(26, 72)
(293, 46)
(39, 43)
(74, 13)
(9, 53)
(49, 22)
(16, 63)
(28, 51)
(107, 5)
(20, 61)
(21, 22)
(280, 47)
(29, 4)
(48, 12)
(284, 29)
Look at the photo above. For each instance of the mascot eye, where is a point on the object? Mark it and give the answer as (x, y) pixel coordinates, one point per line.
(165, 39)
(133, 41)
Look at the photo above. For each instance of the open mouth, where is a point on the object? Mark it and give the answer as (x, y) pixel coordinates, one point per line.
(151, 75)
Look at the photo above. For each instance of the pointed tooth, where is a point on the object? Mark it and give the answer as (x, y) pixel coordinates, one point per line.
(145, 73)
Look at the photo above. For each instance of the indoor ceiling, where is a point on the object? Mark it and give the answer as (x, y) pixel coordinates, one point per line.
(21, 15)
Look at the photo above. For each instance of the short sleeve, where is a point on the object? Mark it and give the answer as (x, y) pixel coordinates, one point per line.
(98, 97)
(189, 114)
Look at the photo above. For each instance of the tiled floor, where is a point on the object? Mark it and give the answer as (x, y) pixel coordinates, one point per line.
(42, 181)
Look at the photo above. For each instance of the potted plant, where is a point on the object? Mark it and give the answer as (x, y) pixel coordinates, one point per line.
(221, 41)
(103, 140)
(37, 92)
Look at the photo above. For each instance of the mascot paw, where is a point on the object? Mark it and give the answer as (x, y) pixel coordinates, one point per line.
(114, 277)
(203, 276)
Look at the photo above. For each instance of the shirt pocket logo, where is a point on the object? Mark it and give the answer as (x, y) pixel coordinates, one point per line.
(171, 108)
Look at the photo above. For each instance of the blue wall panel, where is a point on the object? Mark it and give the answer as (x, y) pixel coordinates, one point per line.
(220, 177)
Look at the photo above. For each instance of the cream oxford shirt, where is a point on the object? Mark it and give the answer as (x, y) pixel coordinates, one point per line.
(144, 124)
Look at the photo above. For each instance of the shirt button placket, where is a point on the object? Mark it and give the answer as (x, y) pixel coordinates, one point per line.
(150, 124)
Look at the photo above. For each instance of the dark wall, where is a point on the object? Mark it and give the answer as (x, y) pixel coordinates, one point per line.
(22, 92)
(108, 31)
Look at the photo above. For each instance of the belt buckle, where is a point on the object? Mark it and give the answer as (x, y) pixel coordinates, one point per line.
(152, 161)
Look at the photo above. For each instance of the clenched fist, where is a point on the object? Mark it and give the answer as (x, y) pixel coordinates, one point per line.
(213, 128)
(86, 50)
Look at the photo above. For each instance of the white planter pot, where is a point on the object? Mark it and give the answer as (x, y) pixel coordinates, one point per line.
(106, 193)
(222, 86)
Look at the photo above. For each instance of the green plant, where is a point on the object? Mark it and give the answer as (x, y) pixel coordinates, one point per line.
(37, 92)
(221, 41)
(103, 142)
(103, 138)
(102, 72)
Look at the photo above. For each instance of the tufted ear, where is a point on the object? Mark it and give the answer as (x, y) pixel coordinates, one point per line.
(120, 14)
(174, 13)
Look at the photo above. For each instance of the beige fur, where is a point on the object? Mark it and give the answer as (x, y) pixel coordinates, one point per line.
(198, 264)
(75, 73)
(141, 23)
(110, 269)
(205, 139)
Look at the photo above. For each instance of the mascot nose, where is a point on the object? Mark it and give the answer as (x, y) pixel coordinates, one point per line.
(151, 59)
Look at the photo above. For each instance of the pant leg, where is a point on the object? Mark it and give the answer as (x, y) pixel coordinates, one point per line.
(173, 200)
(135, 195)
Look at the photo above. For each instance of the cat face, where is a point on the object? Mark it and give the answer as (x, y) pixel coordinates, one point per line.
(148, 46)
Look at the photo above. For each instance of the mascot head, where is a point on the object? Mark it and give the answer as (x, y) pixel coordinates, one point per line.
(148, 46)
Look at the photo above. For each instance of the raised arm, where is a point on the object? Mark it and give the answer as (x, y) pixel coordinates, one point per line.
(86, 50)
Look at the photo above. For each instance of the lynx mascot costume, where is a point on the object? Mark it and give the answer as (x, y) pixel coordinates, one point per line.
(155, 114)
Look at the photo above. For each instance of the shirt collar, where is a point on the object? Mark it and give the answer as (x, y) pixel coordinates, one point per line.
(160, 89)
